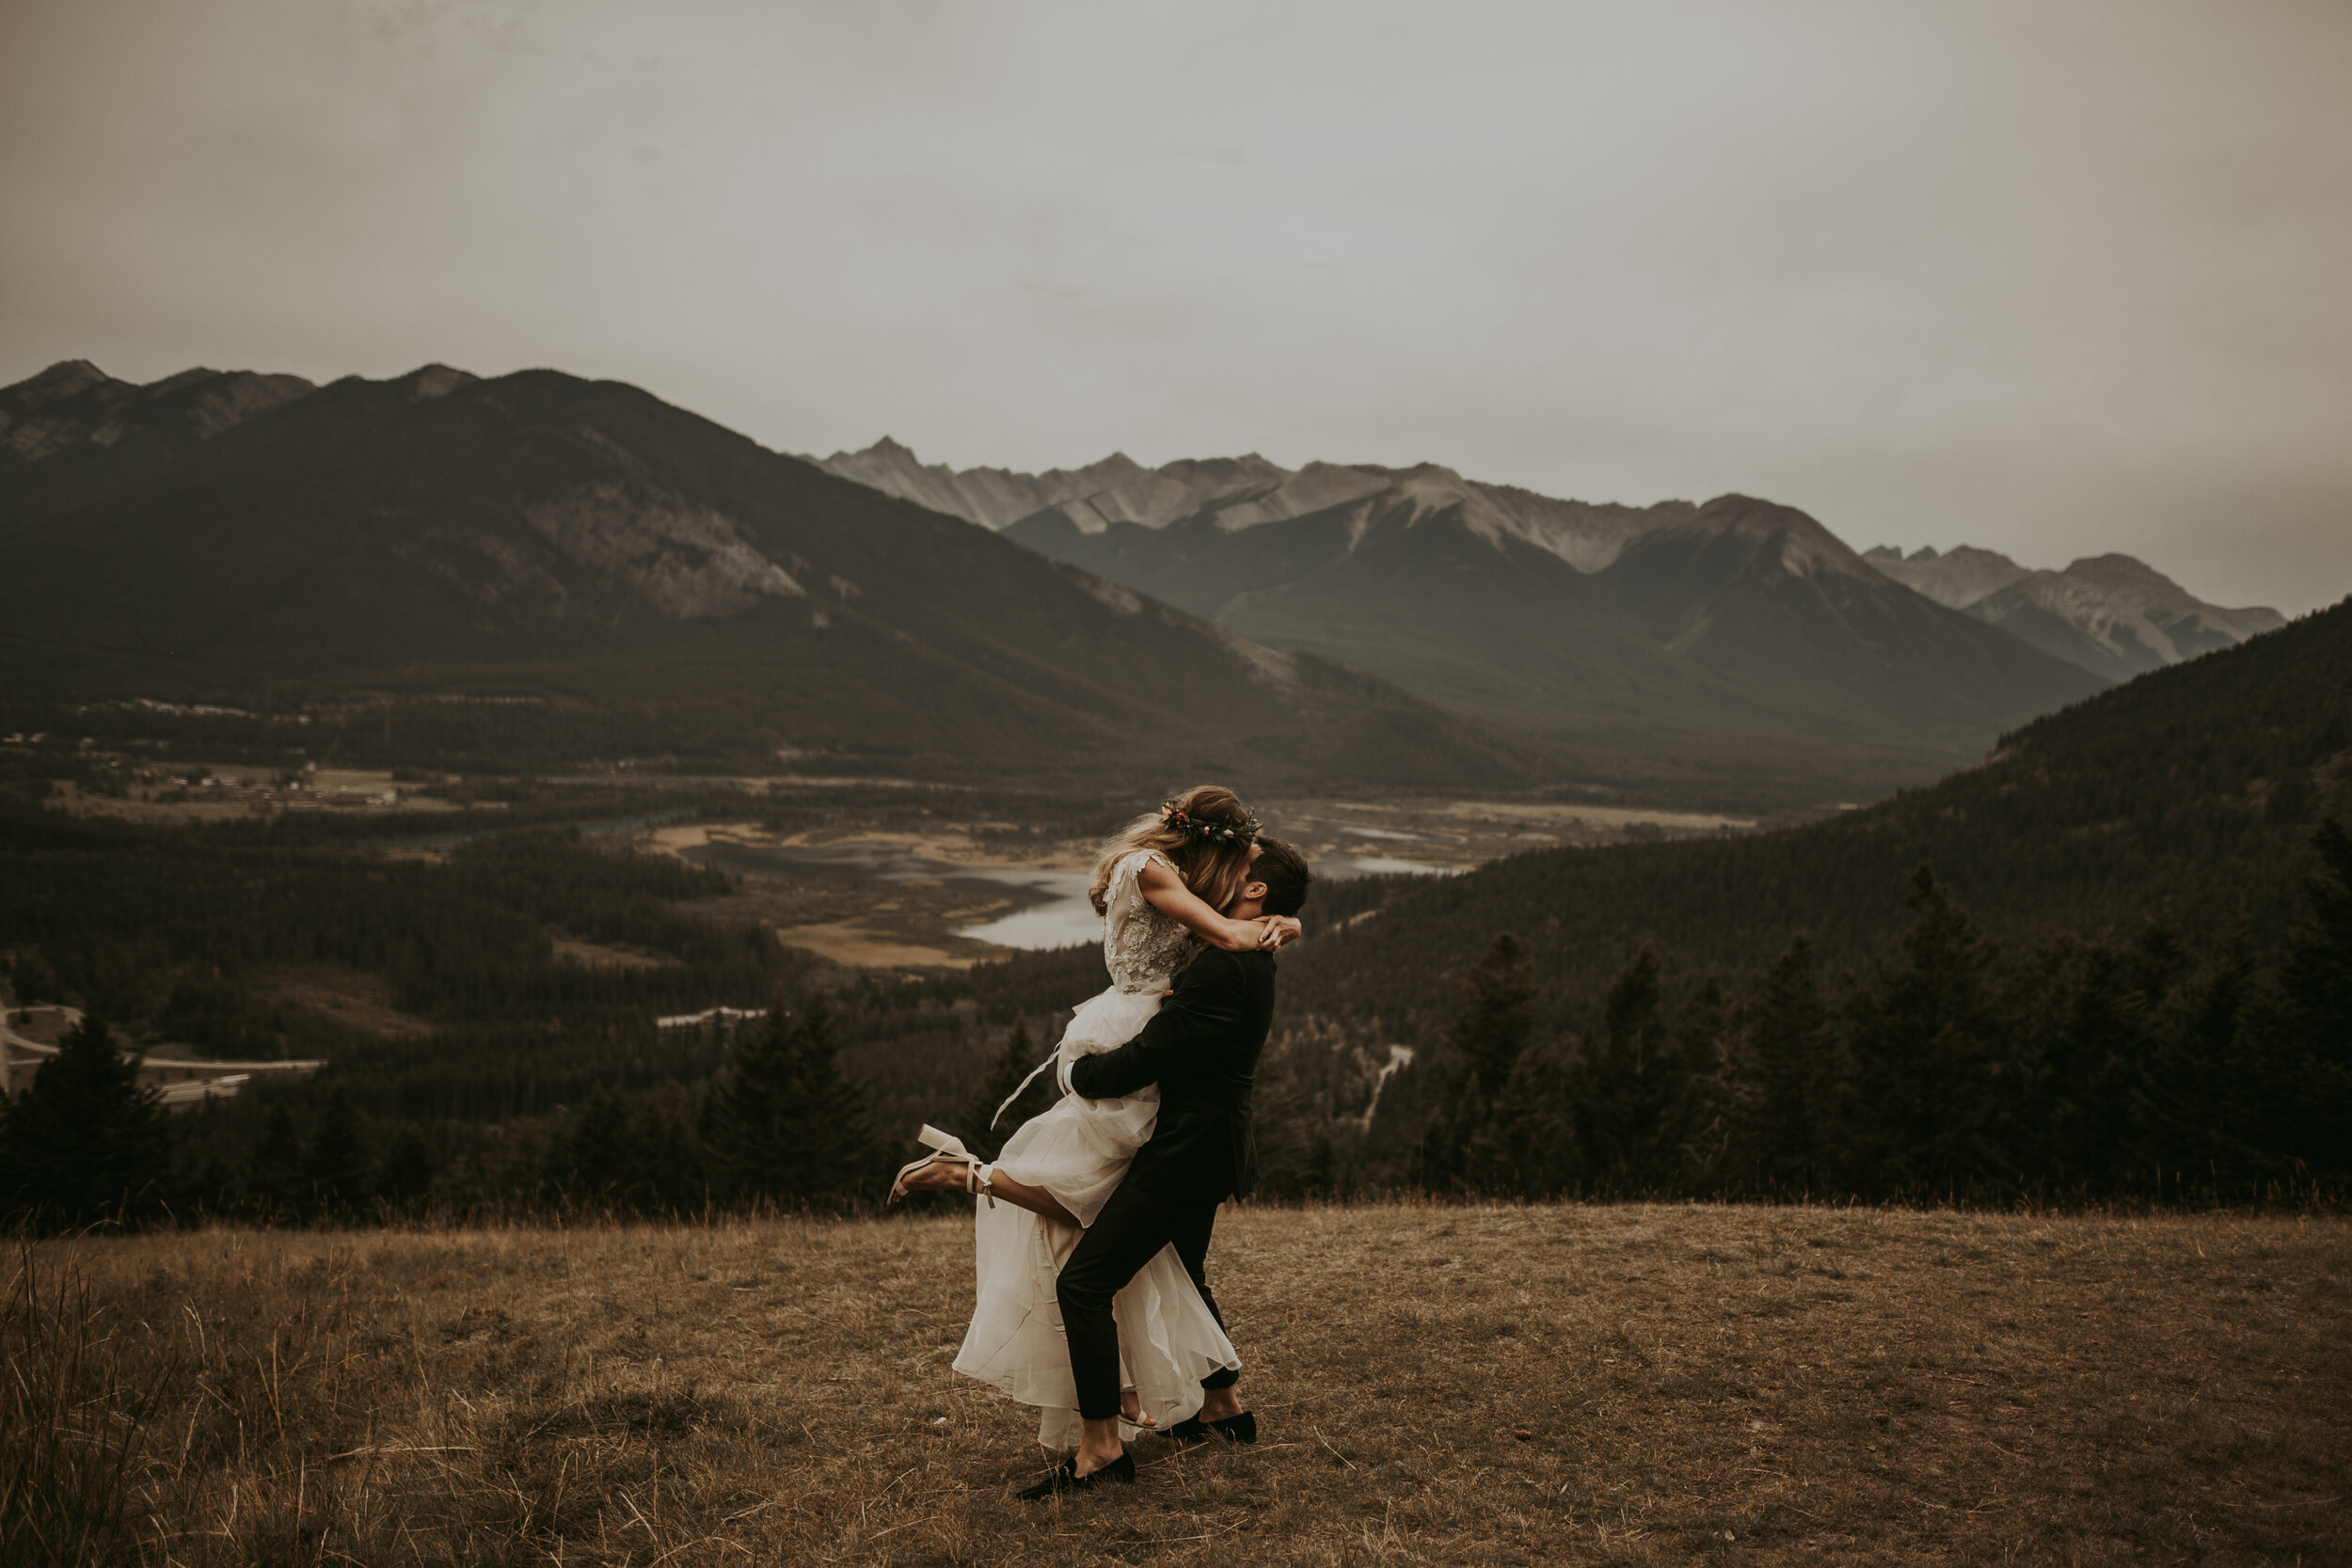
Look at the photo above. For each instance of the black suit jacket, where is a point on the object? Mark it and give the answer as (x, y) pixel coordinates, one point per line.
(1202, 1048)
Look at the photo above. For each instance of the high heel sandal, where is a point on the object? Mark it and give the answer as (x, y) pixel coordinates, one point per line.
(949, 1151)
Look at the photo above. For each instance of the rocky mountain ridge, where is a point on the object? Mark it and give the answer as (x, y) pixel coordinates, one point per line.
(2112, 615)
(75, 403)
(1673, 637)
(664, 582)
(1237, 493)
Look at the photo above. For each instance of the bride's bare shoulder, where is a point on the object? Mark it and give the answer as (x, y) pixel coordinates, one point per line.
(1153, 871)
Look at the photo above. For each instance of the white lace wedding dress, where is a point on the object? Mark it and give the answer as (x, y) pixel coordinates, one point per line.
(1078, 1151)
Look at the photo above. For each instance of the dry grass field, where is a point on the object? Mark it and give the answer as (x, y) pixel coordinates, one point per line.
(1436, 1385)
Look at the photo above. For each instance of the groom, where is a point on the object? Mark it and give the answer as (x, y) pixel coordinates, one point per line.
(1202, 1048)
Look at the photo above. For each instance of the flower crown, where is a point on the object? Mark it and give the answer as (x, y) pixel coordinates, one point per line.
(1202, 832)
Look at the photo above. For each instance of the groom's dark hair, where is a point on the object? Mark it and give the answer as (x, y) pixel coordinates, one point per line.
(1283, 870)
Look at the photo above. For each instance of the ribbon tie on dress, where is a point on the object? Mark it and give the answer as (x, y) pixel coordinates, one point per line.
(1051, 1058)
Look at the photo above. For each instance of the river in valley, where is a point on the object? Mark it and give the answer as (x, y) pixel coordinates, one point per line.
(1050, 908)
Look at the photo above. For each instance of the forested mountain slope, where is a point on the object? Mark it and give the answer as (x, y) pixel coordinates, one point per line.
(658, 583)
(2190, 792)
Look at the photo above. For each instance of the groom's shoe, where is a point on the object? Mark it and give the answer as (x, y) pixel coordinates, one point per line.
(1066, 1478)
(1236, 1428)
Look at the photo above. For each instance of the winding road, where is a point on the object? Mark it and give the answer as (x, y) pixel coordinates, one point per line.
(179, 1079)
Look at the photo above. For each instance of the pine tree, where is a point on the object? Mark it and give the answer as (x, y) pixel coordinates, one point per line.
(2192, 1110)
(1624, 1093)
(789, 1126)
(1498, 1013)
(407, 1175)
(2084, 1014)
(1698, 1114)
(600, 1162)
(86, 1141)
(277, 1186)
(1933, 1083)
(2314, 1013)
(674, 1164)
(1447, 1157)
(1529, 1148)
(341, 1175)
(1789, 1067)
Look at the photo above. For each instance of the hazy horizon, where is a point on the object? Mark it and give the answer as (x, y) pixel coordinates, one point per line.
(2056, 280)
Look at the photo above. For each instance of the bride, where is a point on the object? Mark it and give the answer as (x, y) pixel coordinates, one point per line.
(1158, 885)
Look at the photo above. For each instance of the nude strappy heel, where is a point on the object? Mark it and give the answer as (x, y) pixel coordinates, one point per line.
(949, 1151)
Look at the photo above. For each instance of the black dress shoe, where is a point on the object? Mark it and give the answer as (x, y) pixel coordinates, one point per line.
(1234, 1429)
(1066, 1478)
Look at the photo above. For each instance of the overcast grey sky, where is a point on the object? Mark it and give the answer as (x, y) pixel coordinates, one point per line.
(2054, 276)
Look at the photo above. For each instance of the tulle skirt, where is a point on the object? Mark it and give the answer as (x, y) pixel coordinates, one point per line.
(1078, 1151)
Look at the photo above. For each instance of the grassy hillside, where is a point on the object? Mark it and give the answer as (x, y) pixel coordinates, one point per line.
(1435, 1385)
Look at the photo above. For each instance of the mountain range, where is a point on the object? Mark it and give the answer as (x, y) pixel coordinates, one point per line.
(647, 578)
(649, 582)
(2108, 614)
(2111, 614)
(1658, 645)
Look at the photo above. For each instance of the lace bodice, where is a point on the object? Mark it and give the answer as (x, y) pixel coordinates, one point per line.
(1142, 947)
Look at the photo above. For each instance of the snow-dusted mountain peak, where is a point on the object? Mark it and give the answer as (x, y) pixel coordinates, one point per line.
(2111, 613)
(1234, 494)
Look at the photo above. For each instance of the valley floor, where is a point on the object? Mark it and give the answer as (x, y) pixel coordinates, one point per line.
(1434, 1384)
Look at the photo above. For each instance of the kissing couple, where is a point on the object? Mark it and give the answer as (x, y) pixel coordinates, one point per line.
(1090, 1238)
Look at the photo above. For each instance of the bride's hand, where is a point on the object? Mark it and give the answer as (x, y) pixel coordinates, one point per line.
(1280, 930)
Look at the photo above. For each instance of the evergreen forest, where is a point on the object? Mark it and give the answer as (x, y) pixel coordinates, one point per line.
(2112, 964)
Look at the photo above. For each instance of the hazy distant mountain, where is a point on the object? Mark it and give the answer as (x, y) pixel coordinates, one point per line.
(2108, 614)
(1237, 493)
(1669, 641)
(1764, 598)
(654, 572)
(75, 403)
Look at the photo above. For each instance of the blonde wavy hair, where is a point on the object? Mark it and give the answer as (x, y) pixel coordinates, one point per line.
(1206, 832)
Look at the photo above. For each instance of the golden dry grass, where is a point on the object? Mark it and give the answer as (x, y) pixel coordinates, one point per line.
(1441, 1385)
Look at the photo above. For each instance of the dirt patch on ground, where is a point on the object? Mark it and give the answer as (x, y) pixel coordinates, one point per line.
(1458, 834)
(351, 997)
(857, 944)
(597, 956)
(952, 845)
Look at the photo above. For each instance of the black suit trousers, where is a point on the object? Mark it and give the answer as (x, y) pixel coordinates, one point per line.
(1128, 1233)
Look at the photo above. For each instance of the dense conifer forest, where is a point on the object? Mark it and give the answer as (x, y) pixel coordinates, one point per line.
(2189, 794)
(2112, 964)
